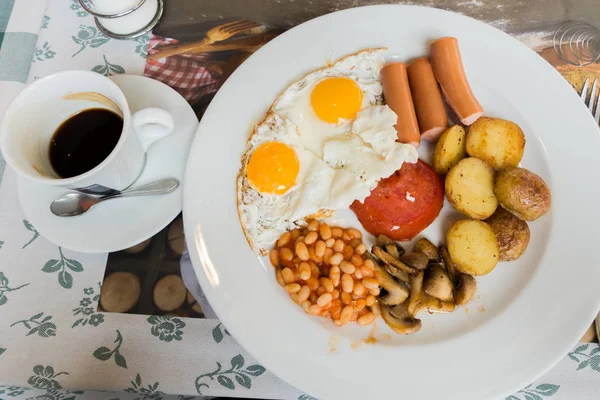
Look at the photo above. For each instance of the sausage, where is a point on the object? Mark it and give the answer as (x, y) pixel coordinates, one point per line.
(397, 96)
(429, 105)
(448, 68)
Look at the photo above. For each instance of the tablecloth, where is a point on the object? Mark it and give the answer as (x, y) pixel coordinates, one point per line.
(54, 344)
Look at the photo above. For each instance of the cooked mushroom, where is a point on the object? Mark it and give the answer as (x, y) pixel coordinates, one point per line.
(433, 305)
(388, 259)
(397, 273)
(416, 292)
(400, 321)
(382, 240)
(436, 283)
(464, 285)
(394, 292)
(450, 267)
(393, 248)
(415, 260)
(429, 249)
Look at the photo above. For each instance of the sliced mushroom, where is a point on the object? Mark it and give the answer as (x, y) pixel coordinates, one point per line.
(433, 305)
(465, 287)
(397, 273)
(415, 260)
(416, 292)
(393, 248)
(388, 259)
(394, 292)
(450, 267)
(382, 240)
(400, 321)
(436, 283)
(429, 249)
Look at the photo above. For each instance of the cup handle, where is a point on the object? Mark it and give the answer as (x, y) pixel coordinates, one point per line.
(152, 124)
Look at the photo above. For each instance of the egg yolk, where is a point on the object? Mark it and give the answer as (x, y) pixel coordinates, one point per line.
(273, 168)
(336, 99)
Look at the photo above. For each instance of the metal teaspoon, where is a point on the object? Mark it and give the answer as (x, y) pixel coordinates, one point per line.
(76, 203)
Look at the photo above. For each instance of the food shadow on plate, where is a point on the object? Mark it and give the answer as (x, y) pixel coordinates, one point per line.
(146, 278)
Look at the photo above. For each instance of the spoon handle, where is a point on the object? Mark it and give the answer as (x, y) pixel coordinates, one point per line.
(159, 187)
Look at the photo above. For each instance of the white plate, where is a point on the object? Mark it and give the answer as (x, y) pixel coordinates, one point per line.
(525, 315)
(122, 223)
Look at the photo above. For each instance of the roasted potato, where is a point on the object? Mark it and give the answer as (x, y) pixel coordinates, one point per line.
(511, 233)
(470, 188)
(449, 150)
(497, 142)
(473, 247)
(523, 193)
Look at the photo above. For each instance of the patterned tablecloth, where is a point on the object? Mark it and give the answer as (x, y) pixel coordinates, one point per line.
(53, 342)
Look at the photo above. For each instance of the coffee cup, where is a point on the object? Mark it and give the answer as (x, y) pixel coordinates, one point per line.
(51, 104)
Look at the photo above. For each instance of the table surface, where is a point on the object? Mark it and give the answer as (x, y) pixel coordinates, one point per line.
(150, 356)
(508, 15)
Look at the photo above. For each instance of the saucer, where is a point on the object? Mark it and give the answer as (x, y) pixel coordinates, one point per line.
(121, 223)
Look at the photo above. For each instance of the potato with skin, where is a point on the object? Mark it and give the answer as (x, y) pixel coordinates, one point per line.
(473, 247)
(523, 193)
(497, 142)
(470, 188)
(450, 149)
(511, 233)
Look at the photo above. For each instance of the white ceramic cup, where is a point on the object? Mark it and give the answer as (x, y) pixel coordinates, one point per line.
(37, 112)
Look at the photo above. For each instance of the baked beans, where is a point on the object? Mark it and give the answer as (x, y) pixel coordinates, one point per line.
(323, 268)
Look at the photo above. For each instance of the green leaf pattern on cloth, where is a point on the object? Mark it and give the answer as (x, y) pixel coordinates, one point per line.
(1, 244)
(38, 324)
(12, 391)
(43, 53)
(586, 358)
(243, 376)
(86, 310)
(80, 12)
(218, 331)
(44, 378)
(89, 36)
(166, 328)
(55, 394)
(108, 69)
(62, 266)
(30, 228)
(142, 47)
(305, 397)
(104, 353)
(537, 393)
(149, 392)
(5, 288)
(46, 22)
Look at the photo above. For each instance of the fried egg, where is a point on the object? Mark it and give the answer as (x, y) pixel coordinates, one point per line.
(325, 142)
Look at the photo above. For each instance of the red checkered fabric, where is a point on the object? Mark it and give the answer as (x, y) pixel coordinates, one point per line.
(186, 73)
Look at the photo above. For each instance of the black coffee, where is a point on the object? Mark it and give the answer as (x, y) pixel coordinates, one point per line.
(83, 141)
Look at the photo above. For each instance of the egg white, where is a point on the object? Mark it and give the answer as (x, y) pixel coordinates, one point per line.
(294, 104)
